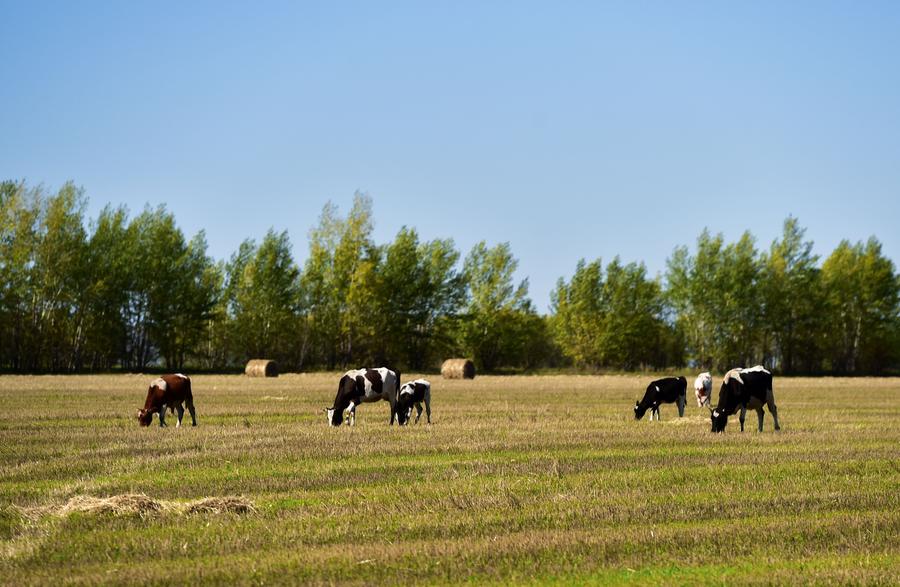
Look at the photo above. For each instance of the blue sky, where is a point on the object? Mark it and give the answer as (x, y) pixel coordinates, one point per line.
(569, 129)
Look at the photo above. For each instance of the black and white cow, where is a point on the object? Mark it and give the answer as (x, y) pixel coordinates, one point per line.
(662, 391)
(703, 389)
(413, 393)
(362, 386)
(742, 389)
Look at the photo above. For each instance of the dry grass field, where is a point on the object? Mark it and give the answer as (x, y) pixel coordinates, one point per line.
(521, 480)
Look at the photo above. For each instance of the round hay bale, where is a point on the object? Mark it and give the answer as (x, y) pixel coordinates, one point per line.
(261, 368)
(458, 369)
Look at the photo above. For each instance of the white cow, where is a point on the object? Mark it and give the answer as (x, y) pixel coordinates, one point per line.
(703, 389)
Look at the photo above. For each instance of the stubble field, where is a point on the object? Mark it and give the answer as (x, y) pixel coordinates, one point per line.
(529, 479)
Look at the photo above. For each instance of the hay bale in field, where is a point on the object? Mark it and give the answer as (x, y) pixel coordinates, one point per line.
(261, 368)
(458, 369)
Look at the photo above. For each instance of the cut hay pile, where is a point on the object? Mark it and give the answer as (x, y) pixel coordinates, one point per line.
(261, 368)
(139, 504)
(117, 505)
(458, 369)
(220, 505)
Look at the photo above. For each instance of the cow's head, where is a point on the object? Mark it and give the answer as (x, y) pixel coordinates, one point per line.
(404, 408)
(145, 417)
(703, 389)
(404, 404)
(404, 415)
(333, 417)
(639, 410)
(719, 420)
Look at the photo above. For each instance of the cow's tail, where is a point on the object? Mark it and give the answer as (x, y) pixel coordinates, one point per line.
(188, 394)
(397, 384)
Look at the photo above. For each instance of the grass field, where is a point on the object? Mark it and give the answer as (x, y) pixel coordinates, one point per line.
(519, 480)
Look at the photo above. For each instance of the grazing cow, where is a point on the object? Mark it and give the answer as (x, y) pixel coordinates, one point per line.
(168, 391)
(742, 389)
(413, 393)
(662, 391)
(361, 386)
(703, 389)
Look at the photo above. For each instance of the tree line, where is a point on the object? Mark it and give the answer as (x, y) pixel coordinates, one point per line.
(133, 293)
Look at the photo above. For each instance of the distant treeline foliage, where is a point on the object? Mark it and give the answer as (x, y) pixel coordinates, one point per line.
(132, 293)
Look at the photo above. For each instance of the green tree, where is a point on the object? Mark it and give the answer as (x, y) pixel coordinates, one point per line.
(20, 209)
(615, 321)
(418, 289)
(106, 296)
(171, 294)
(793, 300)
(633, 331)
(58, 280)
(862, 294)
(492, 325)
(338, 283)
(579, 314)
(198, 290)
(264, 296)
(717, 296)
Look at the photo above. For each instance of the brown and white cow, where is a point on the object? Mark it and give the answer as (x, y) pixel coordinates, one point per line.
(168, 391)
(703, 389)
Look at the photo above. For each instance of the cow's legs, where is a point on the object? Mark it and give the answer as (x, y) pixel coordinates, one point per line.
(743, 413)
(428, 404)
(180, 410)
(760, 414)
(351, 414)
(393, 411)
(190, 407)
(162, 416)
(770, 401)
(682, 400)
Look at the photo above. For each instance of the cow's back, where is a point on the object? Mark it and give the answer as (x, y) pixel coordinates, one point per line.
(668, 389)
(391, 381)
(740, 386)
(178, 389)
(757, 384)
(415, 391)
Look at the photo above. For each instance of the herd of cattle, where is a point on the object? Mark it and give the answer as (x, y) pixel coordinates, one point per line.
(741, 389)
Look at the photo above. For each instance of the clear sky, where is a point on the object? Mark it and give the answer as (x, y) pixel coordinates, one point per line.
(569, 129)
